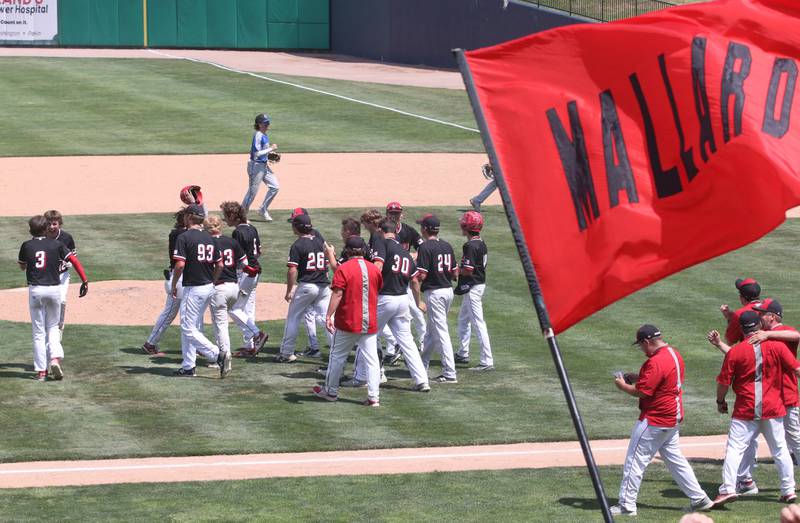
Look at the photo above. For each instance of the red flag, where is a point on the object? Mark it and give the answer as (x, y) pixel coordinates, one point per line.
(635, 149)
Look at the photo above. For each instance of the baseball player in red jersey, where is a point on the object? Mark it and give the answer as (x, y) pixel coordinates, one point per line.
(41, 258)
(198, 260)
(355, 303)
(659, 388)
(307, 283)
(172, 304)
(472, 284)
(437, 269)
(756, 373)
(55, 232)
(749, 292)
(243, 311)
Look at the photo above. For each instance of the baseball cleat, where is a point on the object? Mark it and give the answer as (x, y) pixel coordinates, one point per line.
(475, 205)
(788, 498)
(702, 506)
(725, 498)
(322, 393)
(369, 402)
(266, 216)
(444, 379)
(283, 358)
(618, 510)
(384, 379)
(244, 352)
(422, 387)
(481, 368)
(56, 370)
(393, 359)
(310, 353)
(224, 362)
(747, 488)
(151, 350)
(184, 373)
(41, 375)
(354, 383)
(259, 341)
(212, 365)
(461, 359)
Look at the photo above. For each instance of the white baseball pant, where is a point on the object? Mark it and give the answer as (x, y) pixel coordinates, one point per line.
(63, 287)
(225, 295)
(44, 302)
(367, 347)
(471, 316)
(168, 313)
(417, 317)
(791, 427)
(437, 333)
(306, 295)
(243, 310)
(193, 305)
(393, 314)
(646, 440)
(260, 172)
(740, 435)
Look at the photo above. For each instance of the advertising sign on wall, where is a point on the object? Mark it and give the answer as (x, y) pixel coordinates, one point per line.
(28, 20)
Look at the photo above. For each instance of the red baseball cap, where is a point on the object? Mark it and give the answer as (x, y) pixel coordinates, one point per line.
(769, 305)
(394, 207)
(297, 211)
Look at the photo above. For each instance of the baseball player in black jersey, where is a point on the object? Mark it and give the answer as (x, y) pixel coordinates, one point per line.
(371, 219)
(226, 287)
(55, 232)
(198, 260)
(307, 283)
(243, 311)
(172, 304)
(42, 258)
(472, 284)
(409, 238)
(398, 270)
(437, 269)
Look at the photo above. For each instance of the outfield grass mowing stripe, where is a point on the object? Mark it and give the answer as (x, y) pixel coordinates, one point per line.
(311, 89)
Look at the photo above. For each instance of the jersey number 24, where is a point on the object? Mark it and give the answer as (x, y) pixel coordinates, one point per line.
(444, 262)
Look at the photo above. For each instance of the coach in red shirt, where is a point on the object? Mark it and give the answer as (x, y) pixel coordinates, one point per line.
(659, 387)
(354, 301)
(755, 370)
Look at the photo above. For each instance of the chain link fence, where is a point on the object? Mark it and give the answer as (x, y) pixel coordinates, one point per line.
(604, 10)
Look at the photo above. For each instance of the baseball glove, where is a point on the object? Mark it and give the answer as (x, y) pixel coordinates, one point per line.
(273, 157)
(630, 378)
(488, 171)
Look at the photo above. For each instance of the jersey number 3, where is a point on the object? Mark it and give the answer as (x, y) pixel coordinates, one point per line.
(41, 259)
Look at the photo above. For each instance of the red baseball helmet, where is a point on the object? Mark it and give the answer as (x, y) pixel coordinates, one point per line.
(471, 221)
(191, 194)
(394, 207)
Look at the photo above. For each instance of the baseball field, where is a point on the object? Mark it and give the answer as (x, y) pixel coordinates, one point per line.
(103, 140)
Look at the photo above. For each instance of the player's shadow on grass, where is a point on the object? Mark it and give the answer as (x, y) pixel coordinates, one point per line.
(157, 371)
(26, 371)
(293, 397)
(593, 505)
(302, 375)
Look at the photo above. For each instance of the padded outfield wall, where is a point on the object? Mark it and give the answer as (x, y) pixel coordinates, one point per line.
(222, 24)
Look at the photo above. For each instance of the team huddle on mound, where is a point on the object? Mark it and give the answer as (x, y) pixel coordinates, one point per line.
(377, 287)
(760, 365)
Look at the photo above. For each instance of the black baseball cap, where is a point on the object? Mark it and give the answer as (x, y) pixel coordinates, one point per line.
(354, 242)
(646, 332)
(748, 288)
(769, 305)
(302, 222)
(296, 212)
(749, 320)
(195, 209)
(429, 222)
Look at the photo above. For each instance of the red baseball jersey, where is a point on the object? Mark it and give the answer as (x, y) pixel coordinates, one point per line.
(661, 381)
(790, 397)
(756, 374)
(733, 334)
(360, 282)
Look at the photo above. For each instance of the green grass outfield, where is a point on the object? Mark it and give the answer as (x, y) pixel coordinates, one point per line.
(563, 495)
(116, 402)
(76, 106)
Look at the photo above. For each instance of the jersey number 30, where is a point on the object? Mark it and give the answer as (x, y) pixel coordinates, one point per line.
(401, 265)
(316, 261)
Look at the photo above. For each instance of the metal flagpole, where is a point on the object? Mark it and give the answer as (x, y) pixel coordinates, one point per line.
(533, 285)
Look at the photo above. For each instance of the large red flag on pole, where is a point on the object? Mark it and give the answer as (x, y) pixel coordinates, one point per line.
(634, 149)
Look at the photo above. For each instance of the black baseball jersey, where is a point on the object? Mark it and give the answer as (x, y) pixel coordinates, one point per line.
(307, 253)
(247, 237)
(173, 238)
(435, 258)
(375, 239)
(368, 255)
(43, 258)
(398, 267)
(232, 255)
(408, 237)
(475, 256)
(66, 238)
(199, 250)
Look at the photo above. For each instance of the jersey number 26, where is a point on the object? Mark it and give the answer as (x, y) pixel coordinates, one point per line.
(316, 261)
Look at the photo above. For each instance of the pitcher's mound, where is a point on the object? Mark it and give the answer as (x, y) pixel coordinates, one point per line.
(124, 302)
